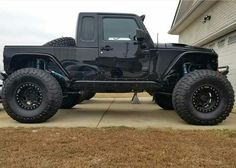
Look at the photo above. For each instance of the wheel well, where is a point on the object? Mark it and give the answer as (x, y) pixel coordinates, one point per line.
(41, 62)
(205, 61)
(32, 61)
(188, 63)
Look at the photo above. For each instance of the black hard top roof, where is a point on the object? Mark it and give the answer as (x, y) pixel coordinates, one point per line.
(107, 13)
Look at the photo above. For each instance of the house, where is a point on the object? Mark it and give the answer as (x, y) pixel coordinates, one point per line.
(210, 24)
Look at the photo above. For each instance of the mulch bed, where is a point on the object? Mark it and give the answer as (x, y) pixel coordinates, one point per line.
(116, 147)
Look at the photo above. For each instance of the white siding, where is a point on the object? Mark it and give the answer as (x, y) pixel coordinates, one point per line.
(227, 54)
(223, 13)
(184, 8)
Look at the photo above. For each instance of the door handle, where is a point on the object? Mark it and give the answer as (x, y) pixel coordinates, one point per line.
(106, 48)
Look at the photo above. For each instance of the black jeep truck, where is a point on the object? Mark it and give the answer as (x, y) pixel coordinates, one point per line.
(114, 53)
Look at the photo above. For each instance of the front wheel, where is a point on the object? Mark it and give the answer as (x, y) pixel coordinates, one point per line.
(31, 95)
(203, 97)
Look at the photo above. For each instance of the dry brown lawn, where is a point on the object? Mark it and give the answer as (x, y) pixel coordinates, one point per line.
(116, 147)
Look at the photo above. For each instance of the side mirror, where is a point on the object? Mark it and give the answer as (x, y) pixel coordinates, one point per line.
(140, 35)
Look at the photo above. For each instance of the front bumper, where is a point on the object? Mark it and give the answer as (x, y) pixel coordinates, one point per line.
(224, 70)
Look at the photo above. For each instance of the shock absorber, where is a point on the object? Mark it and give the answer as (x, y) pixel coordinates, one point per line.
(40, 64)
(185, 69)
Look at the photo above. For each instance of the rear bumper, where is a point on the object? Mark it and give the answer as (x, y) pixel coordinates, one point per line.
(2, 78)
(224, 70)
(0, 93)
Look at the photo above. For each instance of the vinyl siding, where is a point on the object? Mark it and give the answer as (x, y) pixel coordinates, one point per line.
(185, 8)
(223, 13)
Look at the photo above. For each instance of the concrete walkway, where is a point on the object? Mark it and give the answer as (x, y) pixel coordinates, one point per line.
(109, 112)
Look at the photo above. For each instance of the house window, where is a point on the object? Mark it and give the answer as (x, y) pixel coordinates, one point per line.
(232, 39)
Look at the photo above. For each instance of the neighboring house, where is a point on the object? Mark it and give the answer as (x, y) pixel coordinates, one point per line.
(210, 24)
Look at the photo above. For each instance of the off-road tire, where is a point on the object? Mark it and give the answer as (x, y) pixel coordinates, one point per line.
(70, 101)
(191, 85)
(89, 95)
(164, 101)
(61, 42)
(50, 95)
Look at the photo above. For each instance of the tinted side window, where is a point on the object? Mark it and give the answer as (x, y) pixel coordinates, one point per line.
(88, 29)
(119, 29)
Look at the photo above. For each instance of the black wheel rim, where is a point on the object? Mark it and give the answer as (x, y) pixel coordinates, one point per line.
(29, 96)
(206, 99)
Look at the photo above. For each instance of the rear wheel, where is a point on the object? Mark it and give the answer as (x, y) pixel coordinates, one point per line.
(89, 95)
(164, 101)
(203, 97)
(31, 95)
(70, 101)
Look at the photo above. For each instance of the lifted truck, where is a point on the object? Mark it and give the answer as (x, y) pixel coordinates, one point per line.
(114, 53)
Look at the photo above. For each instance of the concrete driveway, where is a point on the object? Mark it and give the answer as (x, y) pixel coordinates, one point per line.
(109, 112)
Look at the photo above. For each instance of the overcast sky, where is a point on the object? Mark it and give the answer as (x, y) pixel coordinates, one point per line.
(31, 22)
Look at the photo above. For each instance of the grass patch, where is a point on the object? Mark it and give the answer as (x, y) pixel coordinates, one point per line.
(116, 147)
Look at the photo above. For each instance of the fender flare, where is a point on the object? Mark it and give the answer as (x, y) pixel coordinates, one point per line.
(185, 55)
(43, 56)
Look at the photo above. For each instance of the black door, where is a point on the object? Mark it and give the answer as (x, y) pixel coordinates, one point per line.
(117, 50)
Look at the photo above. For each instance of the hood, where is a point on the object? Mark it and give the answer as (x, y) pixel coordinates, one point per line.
(181, 46)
